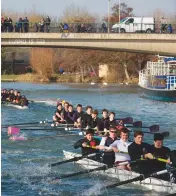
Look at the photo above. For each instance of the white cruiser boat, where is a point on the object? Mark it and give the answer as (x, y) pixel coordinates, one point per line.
(158, 79)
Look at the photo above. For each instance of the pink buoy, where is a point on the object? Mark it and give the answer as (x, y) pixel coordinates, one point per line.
(14, 133)
(13, 130)
(17, 138)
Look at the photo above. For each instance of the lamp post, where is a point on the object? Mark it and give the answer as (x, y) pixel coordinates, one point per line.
(119, 16)
(108, 14)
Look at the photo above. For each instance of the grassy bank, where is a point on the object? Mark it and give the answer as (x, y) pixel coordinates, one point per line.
(65, 78)
(9, 78)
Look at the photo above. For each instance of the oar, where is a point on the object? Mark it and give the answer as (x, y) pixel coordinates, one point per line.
(127, 120)
(138, 178)
(37, 122)
(73, 159)
(48, 137)
(104, 167)
(94, 147)
(165, 134)
(61, 124)
(153, 129)
(40, 129)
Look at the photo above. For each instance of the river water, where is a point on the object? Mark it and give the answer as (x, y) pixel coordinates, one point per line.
(24, 163)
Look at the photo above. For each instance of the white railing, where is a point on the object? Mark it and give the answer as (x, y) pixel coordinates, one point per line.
(143, 79)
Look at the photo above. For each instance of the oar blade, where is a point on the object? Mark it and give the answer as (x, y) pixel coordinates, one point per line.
(128, 120)
(137, 124)
(154, 128)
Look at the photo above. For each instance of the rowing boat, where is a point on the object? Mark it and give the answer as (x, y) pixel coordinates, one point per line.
(150, 183)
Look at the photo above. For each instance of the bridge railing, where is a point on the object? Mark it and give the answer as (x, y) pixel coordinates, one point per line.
(81, 27)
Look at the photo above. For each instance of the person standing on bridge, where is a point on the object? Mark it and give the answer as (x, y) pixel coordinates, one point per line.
(47, 24)
(26, 25)
(163, 24)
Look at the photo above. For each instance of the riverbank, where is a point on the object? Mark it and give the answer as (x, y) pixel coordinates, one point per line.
(64, 78)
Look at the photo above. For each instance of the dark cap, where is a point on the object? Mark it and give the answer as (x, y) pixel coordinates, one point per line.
(89, 131)
(158, 136)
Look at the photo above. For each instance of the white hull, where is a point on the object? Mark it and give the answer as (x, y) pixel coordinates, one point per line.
(18, 106)
(149, 183)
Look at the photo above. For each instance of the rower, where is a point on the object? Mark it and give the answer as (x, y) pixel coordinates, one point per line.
(111, 121)
(18, 99)
(160, 151)
(139, 149)
(15, 96)
(58, 117)
(87, 118)
(4, 95)
(78, 116)
(70, 116)
(109, 156)
(65, 110)
(122, 145)
(89, 144)
(11, 97)
(9, 93)
(104, 118)
(95, 121)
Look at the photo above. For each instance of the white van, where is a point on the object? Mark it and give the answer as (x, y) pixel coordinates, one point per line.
(135, 24)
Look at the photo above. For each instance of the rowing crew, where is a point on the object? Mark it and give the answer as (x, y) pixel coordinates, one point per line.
(147, 158)
(87, 119)
(14, 97)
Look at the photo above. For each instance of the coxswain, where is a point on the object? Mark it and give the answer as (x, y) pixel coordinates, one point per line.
(88, 144)
(120, 146)
(87, 118)
(106, 141)
(78, 116)
(24, 101)
(140, 150)
(70, 115)
(58, 117)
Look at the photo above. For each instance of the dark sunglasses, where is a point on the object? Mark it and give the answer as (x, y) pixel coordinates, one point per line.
(113, 131)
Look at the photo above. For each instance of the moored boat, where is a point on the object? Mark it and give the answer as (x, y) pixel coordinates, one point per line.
(151, 183)
(158, 79)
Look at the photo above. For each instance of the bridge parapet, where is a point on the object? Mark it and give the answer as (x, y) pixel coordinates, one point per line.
(163, 44)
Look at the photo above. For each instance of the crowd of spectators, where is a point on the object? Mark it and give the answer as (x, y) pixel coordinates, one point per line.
(24, 26)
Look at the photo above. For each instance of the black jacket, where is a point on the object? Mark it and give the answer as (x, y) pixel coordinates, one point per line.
(94, 142)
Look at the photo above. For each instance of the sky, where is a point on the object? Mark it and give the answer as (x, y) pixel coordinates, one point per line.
(100, 7)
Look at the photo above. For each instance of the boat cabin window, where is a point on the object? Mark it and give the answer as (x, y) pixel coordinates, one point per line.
(157, 82)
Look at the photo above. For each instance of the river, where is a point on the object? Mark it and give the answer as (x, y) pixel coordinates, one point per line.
(24, 163)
